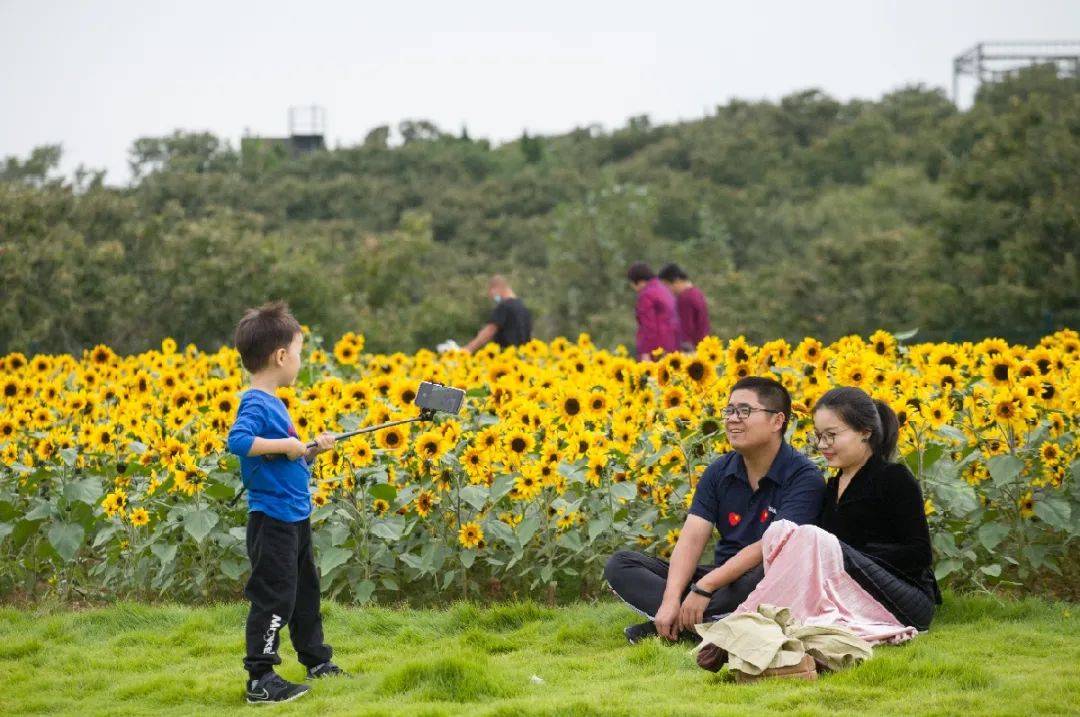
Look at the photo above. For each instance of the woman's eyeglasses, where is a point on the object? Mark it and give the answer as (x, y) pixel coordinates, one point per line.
(826, 438)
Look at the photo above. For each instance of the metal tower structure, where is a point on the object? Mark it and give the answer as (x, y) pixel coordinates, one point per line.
(307, 128)
(990, 61)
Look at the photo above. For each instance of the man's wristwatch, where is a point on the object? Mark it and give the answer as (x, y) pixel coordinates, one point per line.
(700, 591)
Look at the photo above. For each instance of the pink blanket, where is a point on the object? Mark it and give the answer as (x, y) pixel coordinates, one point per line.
(804, 571)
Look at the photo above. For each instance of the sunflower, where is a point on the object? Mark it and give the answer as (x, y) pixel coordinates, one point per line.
(188, 478)
(139, 517)
(425, 501)
(518, 443)
(999, 370)
(488, 440)
(358, 452)
(570, 406)
(470, 534)
(597, 403)
(883, 343)
(115, 503)
(403, 393)
(853, 373)
(346, 350)
(393, 439)
(10, 387)
(102, 438)
(527, 486)
(674, 397)
(430, 445)
(937, 413)
(739, 351)
(1050, 453)
(809, 351)
(380, 506)
(473, 461)
(700, 371)
(101, 355)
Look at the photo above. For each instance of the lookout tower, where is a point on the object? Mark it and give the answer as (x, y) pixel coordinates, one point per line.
(307, 129)
(991, 61)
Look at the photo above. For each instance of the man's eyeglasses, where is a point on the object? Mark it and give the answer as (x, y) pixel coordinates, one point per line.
(743, 411)
(826, 439)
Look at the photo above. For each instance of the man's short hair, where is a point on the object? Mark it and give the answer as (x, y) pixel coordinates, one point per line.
(639, 271)
(672, 272)
(263, 331)
(770, 392)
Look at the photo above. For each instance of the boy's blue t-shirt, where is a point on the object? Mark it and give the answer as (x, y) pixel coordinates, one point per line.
(275, 485)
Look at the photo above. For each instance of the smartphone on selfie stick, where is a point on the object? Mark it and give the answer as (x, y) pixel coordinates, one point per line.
(431, 397)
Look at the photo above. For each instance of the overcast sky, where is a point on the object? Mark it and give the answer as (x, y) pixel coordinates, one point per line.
(95, 75)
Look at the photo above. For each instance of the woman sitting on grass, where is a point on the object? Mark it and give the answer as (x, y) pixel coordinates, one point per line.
(867, 564)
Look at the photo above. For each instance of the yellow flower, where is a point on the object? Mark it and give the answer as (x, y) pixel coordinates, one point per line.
(470, 534)
(115, 503)
(430, 445)
(139, 517)
(424, 502)
(392, 439)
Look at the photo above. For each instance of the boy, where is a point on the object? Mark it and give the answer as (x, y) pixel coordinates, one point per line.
(274, 464)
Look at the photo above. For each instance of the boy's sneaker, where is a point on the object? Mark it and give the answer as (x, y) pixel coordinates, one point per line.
(271, 687)
(326, 669)
(637, 633)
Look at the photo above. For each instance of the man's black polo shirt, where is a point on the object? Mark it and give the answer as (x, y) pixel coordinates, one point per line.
(792, 489)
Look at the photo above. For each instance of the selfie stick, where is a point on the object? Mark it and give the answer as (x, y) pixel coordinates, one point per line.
(426, 414)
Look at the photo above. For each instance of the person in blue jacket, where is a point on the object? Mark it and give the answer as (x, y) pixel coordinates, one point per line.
(275, 466)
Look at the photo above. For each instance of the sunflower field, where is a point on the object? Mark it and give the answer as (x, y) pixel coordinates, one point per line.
(115, 481)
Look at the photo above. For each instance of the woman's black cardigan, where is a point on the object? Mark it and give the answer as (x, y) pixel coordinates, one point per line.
(882, 514)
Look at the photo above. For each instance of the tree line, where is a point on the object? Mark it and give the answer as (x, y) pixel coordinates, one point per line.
(807, 216)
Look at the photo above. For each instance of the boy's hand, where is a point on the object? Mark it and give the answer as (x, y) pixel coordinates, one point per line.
(324, 442)
(294, 448)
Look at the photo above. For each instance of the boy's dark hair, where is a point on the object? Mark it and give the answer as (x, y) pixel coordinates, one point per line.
(263, 331)
(770, 392)
(857, 409)
(672, 272)
(639, 271)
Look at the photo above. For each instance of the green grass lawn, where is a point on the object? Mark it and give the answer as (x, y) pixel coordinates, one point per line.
(982, 657)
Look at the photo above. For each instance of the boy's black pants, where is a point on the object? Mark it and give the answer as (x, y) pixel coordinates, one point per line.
(283, 590)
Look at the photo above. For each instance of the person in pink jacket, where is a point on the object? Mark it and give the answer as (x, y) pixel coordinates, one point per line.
(657, 319)
(690, 304)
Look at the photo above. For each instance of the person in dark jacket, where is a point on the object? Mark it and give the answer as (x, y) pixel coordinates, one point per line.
(875, 506)
(510, 323)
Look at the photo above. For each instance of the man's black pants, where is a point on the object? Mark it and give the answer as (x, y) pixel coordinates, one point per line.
(283, 590)
(640, 580)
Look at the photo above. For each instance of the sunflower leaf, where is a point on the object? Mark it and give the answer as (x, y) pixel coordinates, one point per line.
(199, 523)
(475, 495)
(1004, 470)
(66, 539)
(1055, 511)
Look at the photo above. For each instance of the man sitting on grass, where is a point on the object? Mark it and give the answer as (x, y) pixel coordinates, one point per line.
(275, 466)
(741, 493)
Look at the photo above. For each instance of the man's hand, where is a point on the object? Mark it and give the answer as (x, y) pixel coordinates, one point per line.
(692, 611)
(294, 448)
(667, 619)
